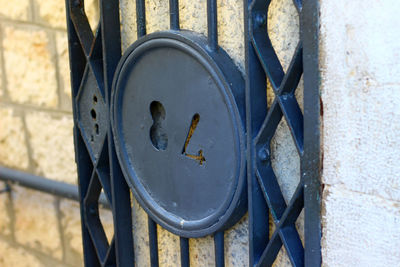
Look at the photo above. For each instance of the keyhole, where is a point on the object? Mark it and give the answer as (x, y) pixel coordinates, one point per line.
(158, 136)
(199, 157)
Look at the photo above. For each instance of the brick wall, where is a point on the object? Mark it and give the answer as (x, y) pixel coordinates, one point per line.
(38, 229)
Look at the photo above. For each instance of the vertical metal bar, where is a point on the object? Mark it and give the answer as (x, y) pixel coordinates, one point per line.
(212, 24)
(121, 202)
(84, 174)
(310, 162)
(141, 18)
(256, 110)
(184, 244)
(77, 66)
(219, 249)
(174, 14)
(153, 245)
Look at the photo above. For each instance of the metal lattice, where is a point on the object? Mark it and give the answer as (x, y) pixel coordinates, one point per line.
(93, 61)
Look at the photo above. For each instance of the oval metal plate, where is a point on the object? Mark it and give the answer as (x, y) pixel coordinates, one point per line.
(178, 124)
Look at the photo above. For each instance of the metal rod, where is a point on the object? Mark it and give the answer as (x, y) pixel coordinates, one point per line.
(45, 185)
(184, 242)
(153, 243)
(174, 14)
(219, 249)
(141, 18)
(311, 159)
(212, 24)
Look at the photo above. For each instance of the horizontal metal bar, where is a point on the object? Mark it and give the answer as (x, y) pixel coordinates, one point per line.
(45, 185)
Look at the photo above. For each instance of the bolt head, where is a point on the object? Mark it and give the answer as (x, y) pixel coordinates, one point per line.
(263, 154)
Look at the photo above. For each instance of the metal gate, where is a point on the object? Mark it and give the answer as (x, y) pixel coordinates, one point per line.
(93, 61)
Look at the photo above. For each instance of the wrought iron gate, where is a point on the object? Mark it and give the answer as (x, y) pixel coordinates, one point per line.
(94, 59)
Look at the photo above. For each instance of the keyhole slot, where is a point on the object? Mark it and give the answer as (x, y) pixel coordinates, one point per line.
(158, 136)
(199, 157)
(93, 114)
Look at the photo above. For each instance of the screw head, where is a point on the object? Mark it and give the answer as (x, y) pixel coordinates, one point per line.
(263, 154)
(260, 19)
(77, 3)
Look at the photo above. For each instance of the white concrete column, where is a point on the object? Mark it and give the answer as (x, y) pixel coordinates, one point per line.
(360, 59)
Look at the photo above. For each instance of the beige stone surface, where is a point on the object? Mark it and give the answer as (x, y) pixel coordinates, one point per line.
(36, 223)
(157, 15)
(128, 22)
(5, 227)
(283, 29)
(92, 11)
(360, 95)
(359, 229)
(237, 244)
(52, 146)
(72, 231)
(1, 79)
(140, 235)
(11, 10)
(201, 251)
(193, 15)
(231, 29)
(361, 104)
(106, 219)
(63, 69)
(16, 256)
(13, 146)
(168, 248)
(30, 68)
(50, 13)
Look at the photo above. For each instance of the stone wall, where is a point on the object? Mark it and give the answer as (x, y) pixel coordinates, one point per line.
(360, 57)
(38, 229)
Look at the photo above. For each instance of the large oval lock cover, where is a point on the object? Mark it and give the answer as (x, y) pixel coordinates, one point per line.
(178, 124)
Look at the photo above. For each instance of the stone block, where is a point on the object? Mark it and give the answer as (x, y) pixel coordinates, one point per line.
(51, 141)
(11, 10)
(237, 244)
(359, 229)
(283, 29)
(361, 140)
(201, 252)
(193, 15)
(30, 66)
(363, 42)
(5, 221)
(1, 79)
(168, 248)
(17, 256)
(50, 13)
(128, 22)
(13, 146)
(36, 222)
(64, 70)
(140, 235)
(72, 232)
(231, 29)
(106, 219)
(157, 15)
